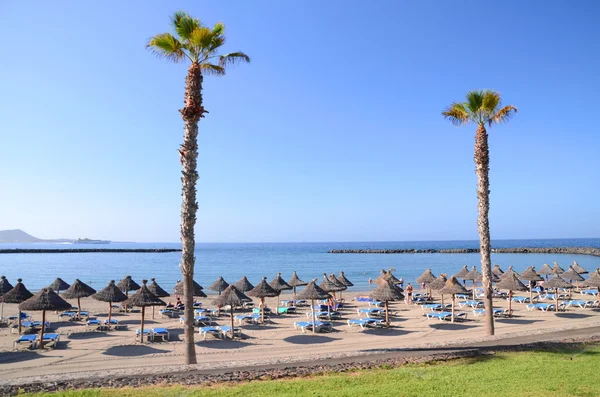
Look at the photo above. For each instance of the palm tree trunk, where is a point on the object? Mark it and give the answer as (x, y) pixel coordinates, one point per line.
(482, 169)
(191, 114)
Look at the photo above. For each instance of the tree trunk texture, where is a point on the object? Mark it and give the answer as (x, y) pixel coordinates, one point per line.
(482, 169)
(191, 114)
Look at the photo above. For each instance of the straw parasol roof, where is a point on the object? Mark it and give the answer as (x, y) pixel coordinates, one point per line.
(530, 274)
(219, 285)
(462, 273)
(45, 299)
(143, 297)
(497, 271)
(508, 272)
(329, 286)
(157, 290)
(295, 281)
(557, 282)
(511, 283)
(78, 290)
(472, 275)
(263, 290)
(231, 296)
(545, 270)
(127, 284)
(59, 285)
(453, 286)
(279, 284)
(438, 283)
(337, 282)
(344, 280)
(313, 291)
(197, 289)
(386, 292)
(243, 284)
(578, 268)
(111, 293)
(593, 281)
(556, 269)
(17, 294)
(5, 285)
(426, 278)
(495, 278)
(572, 275)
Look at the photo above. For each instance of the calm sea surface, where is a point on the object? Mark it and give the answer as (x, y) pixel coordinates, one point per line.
(232, 261)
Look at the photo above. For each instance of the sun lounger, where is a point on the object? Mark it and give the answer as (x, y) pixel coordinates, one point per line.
(248, 305)
(214, 331)
(363, 299)
(442, 316)
(431, 306)
(26, 340)
(50, 340)
(226, 331)
(114, 323)
(593, 292)
(551, 297)
(463, 296)
(286, 310)
(299, 302)
(257, 310)
(94, 323)
(364, 323)
(579, 303)
(159, 333)
(371, 312)
(545, 306)
(169, 313)
(376, 303)
(497, 312)
(471, 303)
(197, 305)
(324, 315)
(319, 325)
(520, 299)
(34, 325)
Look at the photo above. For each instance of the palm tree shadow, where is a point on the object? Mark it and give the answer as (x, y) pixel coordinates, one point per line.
(309, 339)
(514, 320)
(132, 351)
(450, 326)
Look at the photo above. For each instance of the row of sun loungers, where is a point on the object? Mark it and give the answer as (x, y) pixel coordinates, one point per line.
(31, 340)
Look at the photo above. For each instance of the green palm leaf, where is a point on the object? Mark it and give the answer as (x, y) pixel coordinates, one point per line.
(504, 114)
(210, 69)
(233, 58)
(457, 114)
(165, 45)
(184, 24)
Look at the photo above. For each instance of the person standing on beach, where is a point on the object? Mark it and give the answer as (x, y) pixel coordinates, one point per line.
(409, 292)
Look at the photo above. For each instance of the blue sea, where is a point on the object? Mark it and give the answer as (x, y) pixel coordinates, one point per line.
(232, 261)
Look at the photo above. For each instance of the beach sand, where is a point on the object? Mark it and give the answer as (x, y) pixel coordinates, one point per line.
(88, 354)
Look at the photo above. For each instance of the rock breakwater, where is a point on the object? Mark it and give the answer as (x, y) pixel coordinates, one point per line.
(518, 250)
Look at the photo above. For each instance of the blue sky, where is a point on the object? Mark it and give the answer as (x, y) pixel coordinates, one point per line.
(332, 133)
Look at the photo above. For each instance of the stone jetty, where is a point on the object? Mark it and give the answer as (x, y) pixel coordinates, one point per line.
(519, 250)
(83, 250)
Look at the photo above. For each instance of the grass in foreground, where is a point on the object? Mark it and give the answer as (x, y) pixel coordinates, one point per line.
(560, 373)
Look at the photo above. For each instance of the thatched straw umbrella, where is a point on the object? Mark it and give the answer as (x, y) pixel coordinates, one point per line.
(462, 273)
(219, 285)
(453, 287)
(545, 270)
(338, 283)
(44, 300)
(263, 290)
(126, 285)
(243, 285)
(556, 269)
(312, 292)
(232, 297)
(142, 298)
(438, 284)
(497, 271)
(530, 275)
(593, 281)
(17, 294)
(385, 292)
(158, 291)
(344, 280)
(511, 283)
(5, 286)
(426, 278)
(111, 293)
(197, 290)
(59, 285)
(572, 275)
(557, 282)
(508, 273)
(327, 286)
(473, 275)
(296, 282)
(78, 290)
(279, 284)
(578, 268)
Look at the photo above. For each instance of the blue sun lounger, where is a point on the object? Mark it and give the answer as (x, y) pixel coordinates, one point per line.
(579, 303)
(463, 296)
(214, 331)
(371, 312)
(497, 312)
(161, 333)
(520, 299)
(319, 325)
(431, 306)
(324, 315)
(114, 323)
(95, 323)
(442, 316)
(551, 297)
(363, 299)
(365, 322)
(474, 304)
(226, 331)
(593, 292)
(544, 306)
(25, 340)
(50, 340)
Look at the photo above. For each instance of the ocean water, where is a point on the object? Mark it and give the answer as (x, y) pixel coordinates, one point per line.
(232, 261)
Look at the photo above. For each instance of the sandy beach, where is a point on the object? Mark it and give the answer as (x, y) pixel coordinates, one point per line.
(84, 353)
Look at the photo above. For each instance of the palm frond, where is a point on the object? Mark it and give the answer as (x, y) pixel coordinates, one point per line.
(218, 29)
(503, 115)
(457, 114)
(217, 42)
(491, 101)
(209, 69)
(184, 24)
(233, 58)
(167, 46)
(201, 37)
(474, 101)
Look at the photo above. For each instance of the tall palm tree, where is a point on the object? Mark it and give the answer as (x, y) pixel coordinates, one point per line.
(482, 108)
(199, 45)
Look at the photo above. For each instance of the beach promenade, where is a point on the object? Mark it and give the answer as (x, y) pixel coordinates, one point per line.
(87, 354)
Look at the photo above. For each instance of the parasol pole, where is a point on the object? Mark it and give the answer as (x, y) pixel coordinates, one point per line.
(294, 303)
(530, 292)
(109, 312)
(79, 309)
(232, 333)
(262, 309)
(142, 327)
(510, 294)
(453, 300)
(19, 321)
(387, 314)
(556, 299)
(313, 316)
(43, 329)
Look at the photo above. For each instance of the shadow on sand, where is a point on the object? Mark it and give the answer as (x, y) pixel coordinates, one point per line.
(221, 344)
(514, 320)
(393, 331)
(132, 351)
(450, 326)
(309, 339)
(89, 335)
(18, 356)
(572, 315)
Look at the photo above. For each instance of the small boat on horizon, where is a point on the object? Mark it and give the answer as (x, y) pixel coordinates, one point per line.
(90, 241)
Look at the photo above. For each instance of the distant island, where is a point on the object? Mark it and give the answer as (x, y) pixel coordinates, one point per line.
(19, 236)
